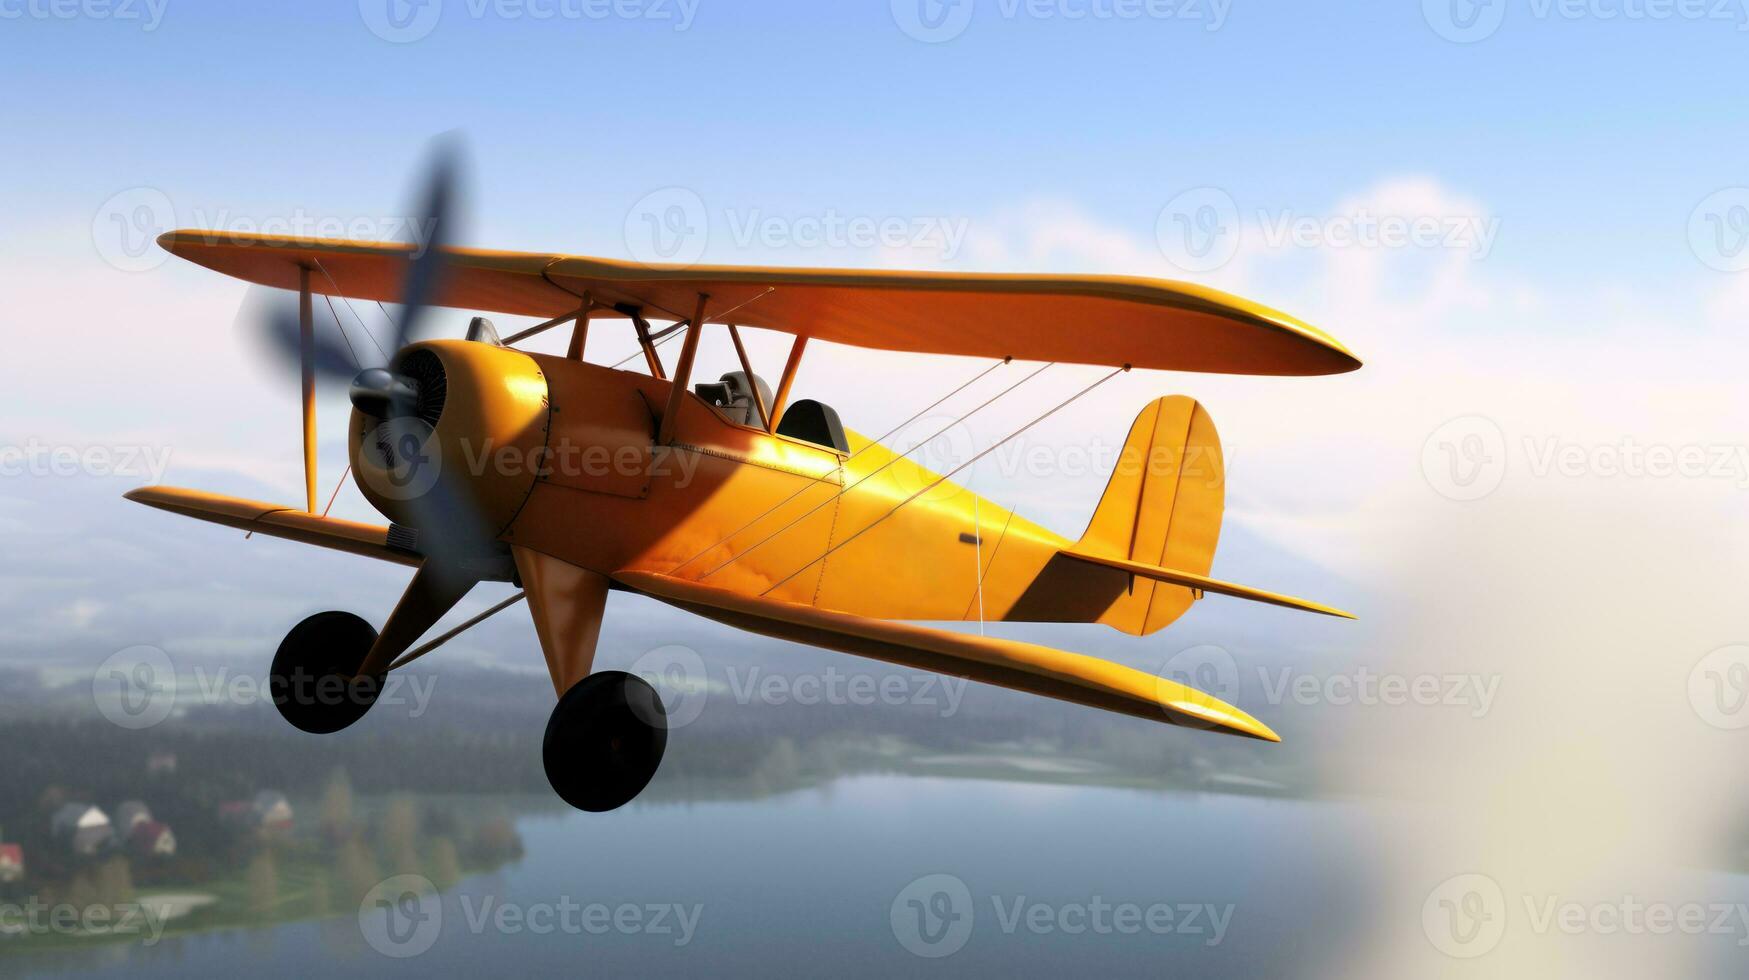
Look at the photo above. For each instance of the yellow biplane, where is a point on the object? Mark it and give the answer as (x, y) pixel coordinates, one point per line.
(728, 499)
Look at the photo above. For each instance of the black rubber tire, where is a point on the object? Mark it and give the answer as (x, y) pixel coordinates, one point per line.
(605, 740)
(310, 682)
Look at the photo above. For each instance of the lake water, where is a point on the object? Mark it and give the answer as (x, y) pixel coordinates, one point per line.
(879, 876)
(1037, 880)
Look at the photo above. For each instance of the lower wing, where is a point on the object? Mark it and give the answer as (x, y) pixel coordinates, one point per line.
(275, 521)
(1024, 667)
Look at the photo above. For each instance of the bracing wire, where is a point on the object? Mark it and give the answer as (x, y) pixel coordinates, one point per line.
(656, 342)
(336, 494)
(874, 442)
(871, 474)
(944, 477)
(985, 566)
(342, 328)
(977, 549)
(367, 330)
(362, 328)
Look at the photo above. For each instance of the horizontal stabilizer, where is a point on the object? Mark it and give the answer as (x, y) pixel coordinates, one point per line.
(1203, 583)
(275, 521)
(1072, 677)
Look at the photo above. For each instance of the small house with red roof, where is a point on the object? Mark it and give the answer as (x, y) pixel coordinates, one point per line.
(11, 862)
(152, 839)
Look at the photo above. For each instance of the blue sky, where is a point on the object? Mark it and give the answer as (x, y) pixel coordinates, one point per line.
(1592, 136)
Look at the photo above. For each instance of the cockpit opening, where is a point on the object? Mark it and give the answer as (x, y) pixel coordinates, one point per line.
(806, 419)
(733, 396)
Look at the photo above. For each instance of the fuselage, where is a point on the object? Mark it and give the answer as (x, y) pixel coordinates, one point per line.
(563, 456)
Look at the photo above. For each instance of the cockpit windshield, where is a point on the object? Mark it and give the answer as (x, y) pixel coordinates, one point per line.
(807, 420)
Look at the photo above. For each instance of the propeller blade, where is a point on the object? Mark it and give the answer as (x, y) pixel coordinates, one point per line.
(272, 316)
(436, 217)
(448, 521)
(273, 313)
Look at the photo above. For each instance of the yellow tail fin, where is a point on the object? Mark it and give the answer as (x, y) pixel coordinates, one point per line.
(1161, 517)
(1162, 508)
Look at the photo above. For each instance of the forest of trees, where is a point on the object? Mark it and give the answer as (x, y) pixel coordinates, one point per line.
(482, 739)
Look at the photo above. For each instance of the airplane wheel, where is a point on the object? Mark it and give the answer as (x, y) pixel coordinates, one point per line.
(311, 680)
(605, 740)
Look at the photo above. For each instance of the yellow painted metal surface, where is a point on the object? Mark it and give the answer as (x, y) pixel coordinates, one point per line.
(572, 469)
(566, 603)
(275, 521)
(1110, 320)
(1203, 583)
(1025, 667)
(590, 474)
(483, 455)
(1162, 506)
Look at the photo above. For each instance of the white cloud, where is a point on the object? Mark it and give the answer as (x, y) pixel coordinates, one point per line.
(1056, 236)
(79, 614)
(1331, 467)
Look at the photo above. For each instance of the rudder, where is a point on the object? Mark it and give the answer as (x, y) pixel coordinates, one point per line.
(1161, 507)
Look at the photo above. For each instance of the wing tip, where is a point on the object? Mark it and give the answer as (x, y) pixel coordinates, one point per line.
(1323, 610)
(1352, 362)
(1210, 711)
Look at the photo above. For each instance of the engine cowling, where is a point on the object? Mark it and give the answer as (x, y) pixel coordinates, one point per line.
(459, 457)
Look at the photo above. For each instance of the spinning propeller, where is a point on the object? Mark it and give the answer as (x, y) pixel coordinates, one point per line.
(399, 390)
(375, 388)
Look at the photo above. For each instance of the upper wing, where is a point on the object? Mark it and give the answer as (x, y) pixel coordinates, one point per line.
(1022, 666)
(1109, 320)
(274, 521)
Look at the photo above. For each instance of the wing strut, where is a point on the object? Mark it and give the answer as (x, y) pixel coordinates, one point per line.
(682, 373)
(580, 332)
(645, 341)
(747, 369)
(781, 400)
(307, 348)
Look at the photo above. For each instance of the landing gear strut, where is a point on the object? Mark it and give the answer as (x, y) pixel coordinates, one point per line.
(312, 681)
(605, 740)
